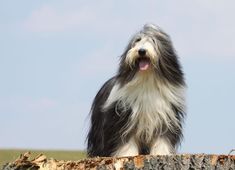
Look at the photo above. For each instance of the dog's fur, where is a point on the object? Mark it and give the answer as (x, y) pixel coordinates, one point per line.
(141, 109)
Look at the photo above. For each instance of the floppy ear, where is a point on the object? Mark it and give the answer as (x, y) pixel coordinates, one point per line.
(168, 64)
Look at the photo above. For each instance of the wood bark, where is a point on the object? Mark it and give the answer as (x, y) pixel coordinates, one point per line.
(168, 162)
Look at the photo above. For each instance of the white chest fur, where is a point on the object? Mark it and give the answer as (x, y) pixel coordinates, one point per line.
(150, 101)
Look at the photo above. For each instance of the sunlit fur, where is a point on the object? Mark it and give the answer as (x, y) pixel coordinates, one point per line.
(140, 111)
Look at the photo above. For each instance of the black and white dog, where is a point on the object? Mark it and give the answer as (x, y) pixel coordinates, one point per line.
(141, 109)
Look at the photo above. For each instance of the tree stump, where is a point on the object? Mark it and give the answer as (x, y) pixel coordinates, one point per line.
(166, 162)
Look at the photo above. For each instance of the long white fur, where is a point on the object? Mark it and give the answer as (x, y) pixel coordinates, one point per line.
(150, 101)
(162, 146)
(128, 149)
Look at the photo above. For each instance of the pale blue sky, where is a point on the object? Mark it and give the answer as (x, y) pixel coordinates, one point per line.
(55, 55)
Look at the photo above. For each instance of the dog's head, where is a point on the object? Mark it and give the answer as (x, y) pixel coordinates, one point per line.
(143, 50)
(151, 50)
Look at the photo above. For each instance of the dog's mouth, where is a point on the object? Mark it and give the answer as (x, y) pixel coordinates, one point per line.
(143, 63)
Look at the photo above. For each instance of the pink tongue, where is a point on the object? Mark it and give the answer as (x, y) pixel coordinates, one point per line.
(144, 65)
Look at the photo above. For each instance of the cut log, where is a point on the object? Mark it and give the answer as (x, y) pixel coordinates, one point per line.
(167, 162)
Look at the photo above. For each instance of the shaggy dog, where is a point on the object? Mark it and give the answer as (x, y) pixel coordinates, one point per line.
(141, 109)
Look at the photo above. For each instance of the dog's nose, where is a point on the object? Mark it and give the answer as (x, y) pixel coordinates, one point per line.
(142, 52)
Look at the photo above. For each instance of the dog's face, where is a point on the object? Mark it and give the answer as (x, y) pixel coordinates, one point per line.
(143, 53)
(144, 49)
(151, 50)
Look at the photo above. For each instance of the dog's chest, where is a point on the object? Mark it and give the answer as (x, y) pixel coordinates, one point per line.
(150, 108)
(146, 97)
(150, 104)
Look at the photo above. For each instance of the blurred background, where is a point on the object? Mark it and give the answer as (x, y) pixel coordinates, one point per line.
(55, 55)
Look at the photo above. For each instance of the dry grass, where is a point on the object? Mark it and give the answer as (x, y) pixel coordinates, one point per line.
(9, 155)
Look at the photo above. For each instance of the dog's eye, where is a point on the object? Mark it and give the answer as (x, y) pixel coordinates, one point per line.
(138, 39)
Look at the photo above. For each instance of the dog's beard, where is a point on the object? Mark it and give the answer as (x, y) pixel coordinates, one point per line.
(133, 64)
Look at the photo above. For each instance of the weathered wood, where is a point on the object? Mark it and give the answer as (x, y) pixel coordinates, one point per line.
(169, 162)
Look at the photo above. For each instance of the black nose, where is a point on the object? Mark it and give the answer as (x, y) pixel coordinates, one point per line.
(142, 52)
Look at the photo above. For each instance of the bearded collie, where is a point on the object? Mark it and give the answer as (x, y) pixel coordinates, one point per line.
(141, 109)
